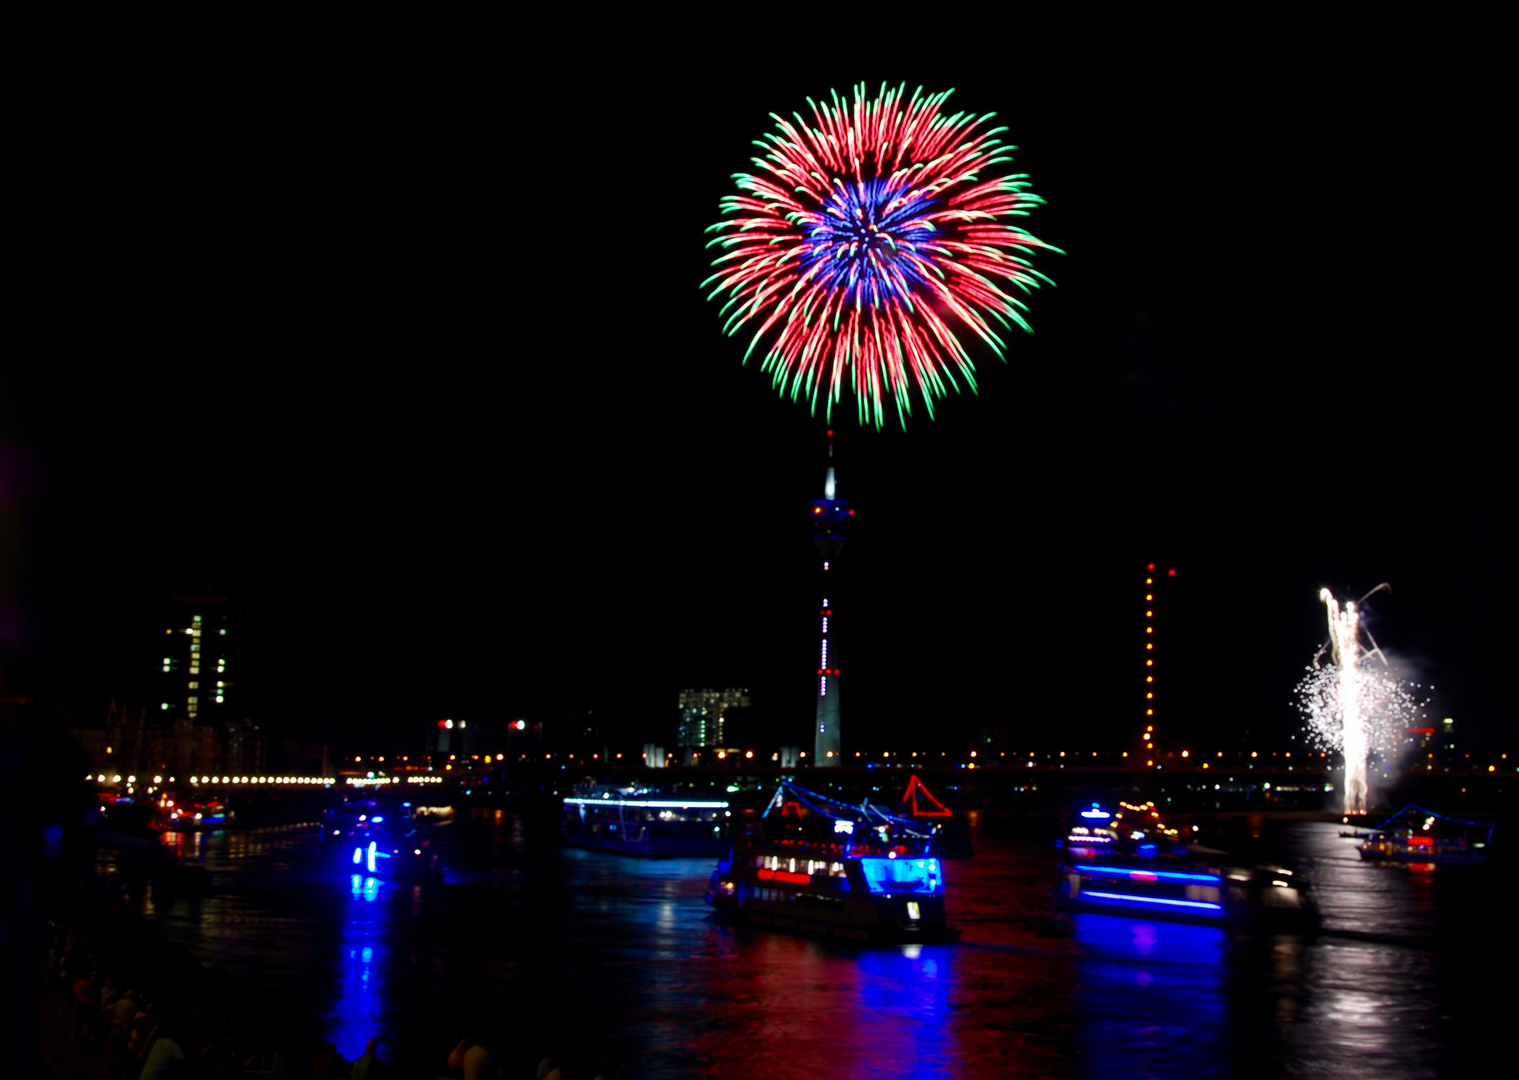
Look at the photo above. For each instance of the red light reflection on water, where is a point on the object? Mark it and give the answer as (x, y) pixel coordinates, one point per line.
(789, 1005)
(579, 948)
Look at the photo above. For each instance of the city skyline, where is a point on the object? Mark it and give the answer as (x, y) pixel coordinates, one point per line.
(424, 515)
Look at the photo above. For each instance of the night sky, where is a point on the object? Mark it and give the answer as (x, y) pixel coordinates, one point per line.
(411, 361)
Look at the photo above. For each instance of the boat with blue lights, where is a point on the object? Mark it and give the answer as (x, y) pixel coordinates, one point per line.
(630, 820)
(814, 864)
(1128, 862)
(1417, 835)
(377, 838)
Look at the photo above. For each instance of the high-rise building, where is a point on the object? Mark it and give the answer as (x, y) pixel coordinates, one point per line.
(201, 726)
(199, 663)
(702, 716)
(830, 514)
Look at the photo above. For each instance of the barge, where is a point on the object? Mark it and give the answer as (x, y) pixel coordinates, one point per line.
(631, 821)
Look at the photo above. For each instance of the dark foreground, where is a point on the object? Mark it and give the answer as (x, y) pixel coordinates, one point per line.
(542, 950)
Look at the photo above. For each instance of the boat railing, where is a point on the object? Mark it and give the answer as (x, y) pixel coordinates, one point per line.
(838, 849)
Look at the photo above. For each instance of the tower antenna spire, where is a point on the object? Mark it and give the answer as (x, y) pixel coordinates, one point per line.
(828, 483)
(830, 517)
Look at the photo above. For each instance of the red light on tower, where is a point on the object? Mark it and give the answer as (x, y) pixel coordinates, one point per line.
(1151, 566)
(1170, 573)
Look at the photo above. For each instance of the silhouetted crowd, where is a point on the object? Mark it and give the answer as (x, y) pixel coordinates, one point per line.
(119, 1002)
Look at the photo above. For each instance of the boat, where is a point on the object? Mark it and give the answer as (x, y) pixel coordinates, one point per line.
(369, 837)
(1417, 835)
(630, 820)
(1128, 862)
(207, 812)
(814, 864)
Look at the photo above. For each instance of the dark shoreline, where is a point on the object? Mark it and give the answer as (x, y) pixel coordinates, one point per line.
(209, 1006)
(95, 928)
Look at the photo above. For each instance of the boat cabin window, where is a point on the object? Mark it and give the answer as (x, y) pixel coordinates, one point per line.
(902, 875)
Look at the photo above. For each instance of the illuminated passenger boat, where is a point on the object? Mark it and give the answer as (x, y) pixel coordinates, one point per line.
(1129, 863)
(639, 822)
(814, 864)
(1416, 835)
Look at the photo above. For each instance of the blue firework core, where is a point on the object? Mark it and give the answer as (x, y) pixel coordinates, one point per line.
(871, 238)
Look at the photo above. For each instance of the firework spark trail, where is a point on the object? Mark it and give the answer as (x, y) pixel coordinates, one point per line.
(1345, 651)
(863, 238)
(1353, 706)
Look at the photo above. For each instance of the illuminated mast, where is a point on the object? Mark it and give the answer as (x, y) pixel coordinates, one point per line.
(829, 516)
(1150, 755)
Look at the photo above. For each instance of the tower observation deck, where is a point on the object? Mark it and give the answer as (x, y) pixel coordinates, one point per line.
(830, 517)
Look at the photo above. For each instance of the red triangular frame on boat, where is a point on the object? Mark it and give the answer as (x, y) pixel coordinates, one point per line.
(915, 788)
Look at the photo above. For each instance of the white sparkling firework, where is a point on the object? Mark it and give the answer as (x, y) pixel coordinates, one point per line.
(1356, 705)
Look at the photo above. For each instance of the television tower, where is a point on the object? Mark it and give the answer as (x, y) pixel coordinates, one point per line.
(829, 516)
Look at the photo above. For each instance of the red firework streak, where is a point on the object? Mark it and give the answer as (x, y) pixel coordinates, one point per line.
(865, 239)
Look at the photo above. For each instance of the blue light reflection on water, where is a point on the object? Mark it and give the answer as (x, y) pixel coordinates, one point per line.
(1152, 998)
(583, 953)
(905, 992)
(358, 1011)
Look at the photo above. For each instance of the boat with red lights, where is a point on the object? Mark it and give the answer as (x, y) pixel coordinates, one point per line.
(629, 820)
(1128, 862)
(190, 812)
(814, 864)
(951, 831)
(1416, 835)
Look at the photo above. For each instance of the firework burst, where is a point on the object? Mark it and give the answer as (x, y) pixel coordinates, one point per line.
(1389, 707)
(867, 241)
(1356, 706)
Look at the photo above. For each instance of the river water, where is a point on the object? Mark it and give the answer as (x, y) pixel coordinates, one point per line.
(546, 949)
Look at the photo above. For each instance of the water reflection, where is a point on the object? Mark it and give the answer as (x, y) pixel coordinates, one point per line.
(359, 1008)
(579, 952)
(905, 994)
(1370, 986)
(1152, 998)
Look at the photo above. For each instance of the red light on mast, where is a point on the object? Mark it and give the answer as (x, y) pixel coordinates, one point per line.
(1171, 573)
(1150, 567)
